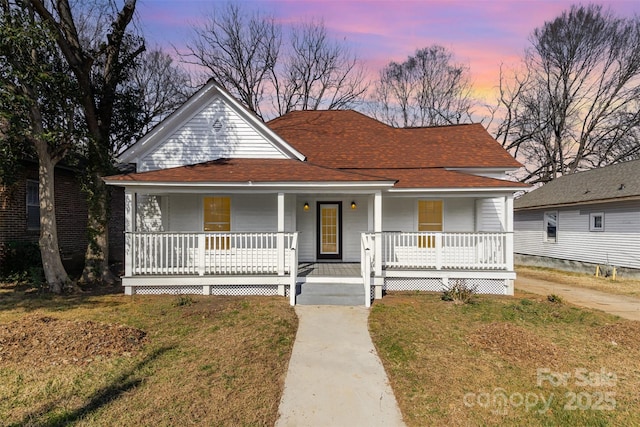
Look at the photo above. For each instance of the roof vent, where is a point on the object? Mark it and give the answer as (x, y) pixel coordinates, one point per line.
(621, 187)
(587, 191)
(217, 125)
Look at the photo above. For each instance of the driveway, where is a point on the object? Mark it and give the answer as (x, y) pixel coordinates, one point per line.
(620, 305)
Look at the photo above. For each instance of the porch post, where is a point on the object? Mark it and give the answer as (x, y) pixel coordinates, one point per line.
(508, 221)
(377, 229)
(280, 240)
(129, 228)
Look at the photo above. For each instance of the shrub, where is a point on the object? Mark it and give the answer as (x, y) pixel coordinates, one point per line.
(22, 263)
(459, 292)
(183, 300)
(553, 298)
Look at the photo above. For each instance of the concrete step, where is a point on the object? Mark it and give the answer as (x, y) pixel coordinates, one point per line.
(331, 294)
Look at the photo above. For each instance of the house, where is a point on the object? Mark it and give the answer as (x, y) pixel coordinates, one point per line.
(20, 213)
(222, 203)
(582, 220)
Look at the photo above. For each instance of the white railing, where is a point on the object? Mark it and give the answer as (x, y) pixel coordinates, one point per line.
(366, 263)
(167, 253)
(443, 250)
(293, 260)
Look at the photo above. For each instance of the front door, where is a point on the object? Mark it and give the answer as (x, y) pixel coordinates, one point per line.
(329, 236)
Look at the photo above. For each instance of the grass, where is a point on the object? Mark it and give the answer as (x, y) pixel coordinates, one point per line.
(620, 286)
(507, 361)
(206, 361)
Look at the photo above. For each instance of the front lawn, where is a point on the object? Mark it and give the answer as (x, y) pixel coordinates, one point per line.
(507, 361)
(142, 360)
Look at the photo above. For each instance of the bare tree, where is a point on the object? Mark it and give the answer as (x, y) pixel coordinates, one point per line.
(576, 104)
(240, 51)
(318, 73)
(245, 53)
(427, 89)
(156, 87)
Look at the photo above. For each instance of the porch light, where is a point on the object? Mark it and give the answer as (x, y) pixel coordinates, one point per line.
(306, 206)
(353, 205)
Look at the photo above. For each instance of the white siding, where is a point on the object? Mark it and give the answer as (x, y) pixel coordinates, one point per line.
(490, 214)
(354, 223)
(618, 244)
(249, 212)
(185, 212)
(149, 213)
(196, 141)
(401, 214)
(459, 215)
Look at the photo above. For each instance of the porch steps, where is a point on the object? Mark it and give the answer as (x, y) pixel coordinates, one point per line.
(312, 293)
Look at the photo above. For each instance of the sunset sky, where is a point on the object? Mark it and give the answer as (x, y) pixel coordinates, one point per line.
(482, 34)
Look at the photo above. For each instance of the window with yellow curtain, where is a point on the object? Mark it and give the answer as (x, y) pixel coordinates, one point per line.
(217, 219)
(429, 219)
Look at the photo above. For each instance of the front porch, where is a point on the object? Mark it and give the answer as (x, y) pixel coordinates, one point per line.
(266, 263)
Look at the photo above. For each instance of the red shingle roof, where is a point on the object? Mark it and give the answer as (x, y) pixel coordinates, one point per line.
(436, 178)
(348, 139)
(245, 170)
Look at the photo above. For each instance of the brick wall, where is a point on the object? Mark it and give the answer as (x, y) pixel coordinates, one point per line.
(116, 230)
(71, 214)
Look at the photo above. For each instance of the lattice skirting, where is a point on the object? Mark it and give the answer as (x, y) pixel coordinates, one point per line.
(483, 286)
(214, 290)
(167, 290)
(245, 290)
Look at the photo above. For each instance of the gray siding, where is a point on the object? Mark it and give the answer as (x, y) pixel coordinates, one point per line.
(196, 141)
(618, 244)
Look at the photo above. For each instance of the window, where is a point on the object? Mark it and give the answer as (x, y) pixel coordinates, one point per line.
(429, 219)
(217, 218)
(551, 227)
(596, 221)
(33, 206)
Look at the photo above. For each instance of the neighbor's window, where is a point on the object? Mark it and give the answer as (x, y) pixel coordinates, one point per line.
(551, 226)
(217, 218)
(596, 221)
(33, 206)
(429, 219)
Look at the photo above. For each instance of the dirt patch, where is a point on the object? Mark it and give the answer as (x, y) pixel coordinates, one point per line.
(624, 333)
(44, 340)
(516, 344)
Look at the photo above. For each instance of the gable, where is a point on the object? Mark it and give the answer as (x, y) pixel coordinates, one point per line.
(214, 132)
(208, 126)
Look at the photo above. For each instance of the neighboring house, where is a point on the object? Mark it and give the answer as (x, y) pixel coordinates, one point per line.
(20, 213)
(582, 220)
(222, 203)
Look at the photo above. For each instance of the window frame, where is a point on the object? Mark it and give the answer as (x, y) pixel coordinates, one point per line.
(545, 224)
(217, 242)
(592, 217)
(30, 186)
(429, 242)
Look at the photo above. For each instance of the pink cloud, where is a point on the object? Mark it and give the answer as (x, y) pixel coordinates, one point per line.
(482, 34)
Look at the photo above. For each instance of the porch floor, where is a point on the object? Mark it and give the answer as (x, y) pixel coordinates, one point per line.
(329, 269)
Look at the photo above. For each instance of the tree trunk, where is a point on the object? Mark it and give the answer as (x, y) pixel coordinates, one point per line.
(96, 267)
(54, 272)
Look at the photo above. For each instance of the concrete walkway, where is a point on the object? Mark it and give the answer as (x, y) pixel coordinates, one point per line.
(620, 305)
(335, 377)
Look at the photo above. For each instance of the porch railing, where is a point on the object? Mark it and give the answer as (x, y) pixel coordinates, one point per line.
(169, 253)
(366, 263)
(444, 250)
